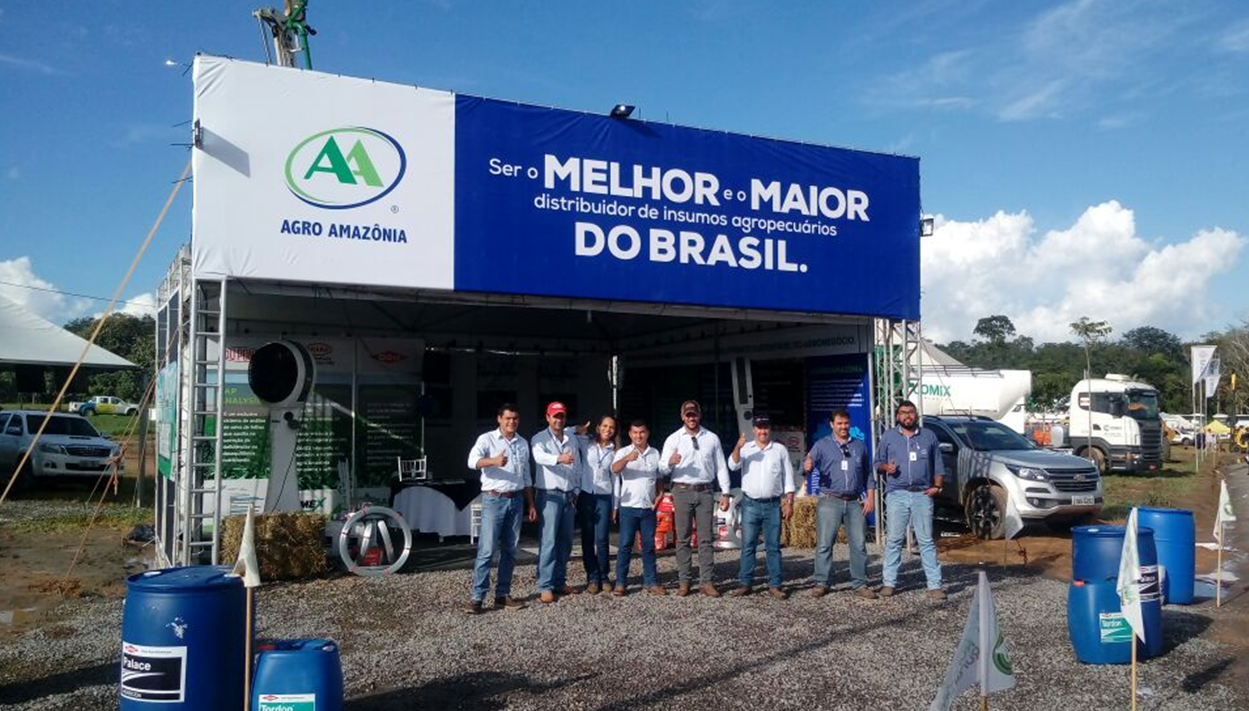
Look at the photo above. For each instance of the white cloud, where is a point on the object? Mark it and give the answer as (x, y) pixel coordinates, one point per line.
(1117, 121)
(1099, 267)
(1061, 61)
(139, 306)
(1236, 39)
(19, 283)
(30, 65)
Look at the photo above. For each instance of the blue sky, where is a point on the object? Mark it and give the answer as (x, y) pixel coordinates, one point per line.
(1087, 157)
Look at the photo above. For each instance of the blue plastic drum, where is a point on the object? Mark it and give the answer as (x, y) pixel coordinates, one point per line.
(182, 640)
(1175, 535)
(1098, 632)
(298, 675)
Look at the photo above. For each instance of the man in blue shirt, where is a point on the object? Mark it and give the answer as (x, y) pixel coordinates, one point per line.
(910, 459)
(844, 472)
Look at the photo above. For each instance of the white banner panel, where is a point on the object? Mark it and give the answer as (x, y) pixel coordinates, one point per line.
(318, 178)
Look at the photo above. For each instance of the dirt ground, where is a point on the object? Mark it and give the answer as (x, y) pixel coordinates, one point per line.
(36, 576)
(37, 555)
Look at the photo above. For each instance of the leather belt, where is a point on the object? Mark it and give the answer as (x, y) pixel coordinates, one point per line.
(843, 497)
(503, 494)
(691, 487)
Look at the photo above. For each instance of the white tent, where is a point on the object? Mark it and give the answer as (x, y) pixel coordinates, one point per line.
(26, 339)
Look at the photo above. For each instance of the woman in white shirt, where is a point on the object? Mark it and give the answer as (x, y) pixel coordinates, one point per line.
(594, 505)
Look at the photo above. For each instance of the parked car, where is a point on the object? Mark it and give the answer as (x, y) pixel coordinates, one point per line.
(987, 462)
(69, 446)
(105, 405)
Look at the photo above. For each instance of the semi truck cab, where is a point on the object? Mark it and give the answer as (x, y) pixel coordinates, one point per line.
(1126, 424)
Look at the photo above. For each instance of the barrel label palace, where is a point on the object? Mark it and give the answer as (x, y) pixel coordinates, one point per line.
(156, 674)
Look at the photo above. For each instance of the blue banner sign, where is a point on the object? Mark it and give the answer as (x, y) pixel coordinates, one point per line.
(559, 203)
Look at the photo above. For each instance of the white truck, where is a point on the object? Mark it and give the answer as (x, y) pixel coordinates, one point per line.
(1126, 424)
(103, 405)
(1000, 395)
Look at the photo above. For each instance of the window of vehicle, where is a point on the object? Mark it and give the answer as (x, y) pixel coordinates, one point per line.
(14, 427)
(943, 435)
(62, 425)
(4, 420)
(1142, 404)
(985, 435)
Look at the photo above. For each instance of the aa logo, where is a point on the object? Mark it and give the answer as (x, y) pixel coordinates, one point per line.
(1001, 657)
(345, 167)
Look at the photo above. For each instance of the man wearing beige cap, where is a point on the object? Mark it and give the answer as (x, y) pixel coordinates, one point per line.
(694, 459)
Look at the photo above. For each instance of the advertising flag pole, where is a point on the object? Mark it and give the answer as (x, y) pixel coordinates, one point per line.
(1218, 570)
(1134, 670)
(982, 595)
(247, 652)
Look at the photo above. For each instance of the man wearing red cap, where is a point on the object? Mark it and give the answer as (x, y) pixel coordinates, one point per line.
(694, 458)
(557, 479)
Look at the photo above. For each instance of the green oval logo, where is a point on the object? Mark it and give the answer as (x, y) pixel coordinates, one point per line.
(345, 167)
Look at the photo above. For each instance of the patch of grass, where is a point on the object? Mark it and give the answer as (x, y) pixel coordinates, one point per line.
(1168, 488)
(114, 426)
(115, 516)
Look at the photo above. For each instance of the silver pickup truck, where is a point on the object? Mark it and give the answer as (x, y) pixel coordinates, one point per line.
(986, 462)
(69, 446)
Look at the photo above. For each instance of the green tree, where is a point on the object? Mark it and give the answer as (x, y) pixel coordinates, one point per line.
(1154, 340)
(130, 337)
(996, 328)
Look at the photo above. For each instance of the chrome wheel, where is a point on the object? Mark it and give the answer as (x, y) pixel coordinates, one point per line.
(374, 541)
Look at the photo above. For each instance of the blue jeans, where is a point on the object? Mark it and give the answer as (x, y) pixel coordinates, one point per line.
(557, 520)
(833, 512)
(761, 514)
(631, 521)
(594, 515)
(901, 508)
(500, 530)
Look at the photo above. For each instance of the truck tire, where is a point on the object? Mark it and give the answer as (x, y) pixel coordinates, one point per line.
(132, 411)
(986, 511)
(87, 412)
(25, 480)
(1240, 440)
(1099, 460)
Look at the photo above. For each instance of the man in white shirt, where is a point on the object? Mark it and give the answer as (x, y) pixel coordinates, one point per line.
(502, 457)
(557, 479)
(768, 489)
(695, 460)
(637, 493)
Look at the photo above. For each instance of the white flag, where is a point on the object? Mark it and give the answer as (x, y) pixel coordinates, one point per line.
(1212, 376)
(1201, 356)
(1129, 584)
(1225, 513)
(246, 566)
(1014, 522)
(982, 655)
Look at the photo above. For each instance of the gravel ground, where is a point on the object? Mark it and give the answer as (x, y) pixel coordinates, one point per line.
(406, 645)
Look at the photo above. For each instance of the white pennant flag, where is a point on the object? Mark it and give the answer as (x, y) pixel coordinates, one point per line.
(246, 566)
(982, 654)
(1129, 583)
(1225, 513)
(1014, 522)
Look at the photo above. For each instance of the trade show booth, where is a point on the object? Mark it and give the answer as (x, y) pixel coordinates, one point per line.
(438, 254)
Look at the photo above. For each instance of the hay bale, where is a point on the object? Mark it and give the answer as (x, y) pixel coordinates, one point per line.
(289, 546)
(799, 530)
